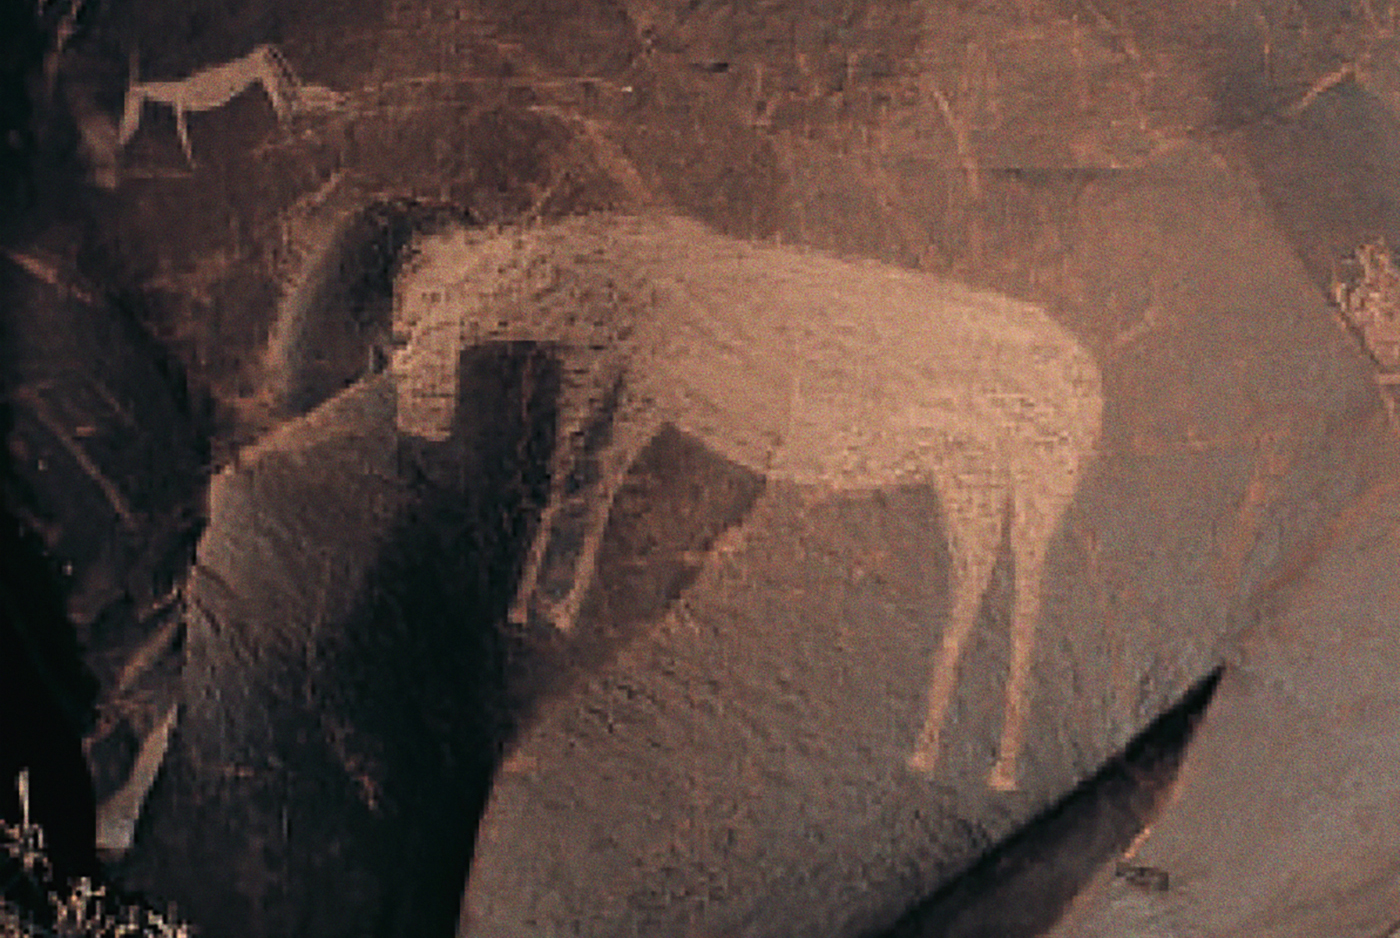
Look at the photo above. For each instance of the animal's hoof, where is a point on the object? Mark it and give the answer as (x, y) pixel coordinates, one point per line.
(519, 614)
(538, 616)
(1003, 777)
(115, 835)
(558, 615)
(563, 618)
(922, 761)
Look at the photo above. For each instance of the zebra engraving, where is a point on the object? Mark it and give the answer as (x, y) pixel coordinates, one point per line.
(803, 367)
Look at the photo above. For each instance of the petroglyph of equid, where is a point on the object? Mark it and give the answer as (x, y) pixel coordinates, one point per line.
(799, 365)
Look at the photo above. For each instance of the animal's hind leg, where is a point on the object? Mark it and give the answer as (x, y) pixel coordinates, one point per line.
(1033, 524)
(973, 516)
(183, 130)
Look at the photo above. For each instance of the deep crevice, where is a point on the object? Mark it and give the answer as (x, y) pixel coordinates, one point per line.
(1022, 886)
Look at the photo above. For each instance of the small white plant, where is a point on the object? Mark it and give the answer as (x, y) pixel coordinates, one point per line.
(83, 909)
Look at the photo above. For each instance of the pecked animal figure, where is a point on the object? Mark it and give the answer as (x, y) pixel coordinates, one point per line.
(838, 712)
(860, 570)
(795, 365)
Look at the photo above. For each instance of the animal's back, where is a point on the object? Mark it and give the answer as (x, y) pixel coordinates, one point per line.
(749, 343)
(520, 281)
(860, 371)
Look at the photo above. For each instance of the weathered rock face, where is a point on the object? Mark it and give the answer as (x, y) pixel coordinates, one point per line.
(342, 679)
(758, 650)
(796, 662)
(659, 797)
(1299, 751)
(105, 450)
(102, 471)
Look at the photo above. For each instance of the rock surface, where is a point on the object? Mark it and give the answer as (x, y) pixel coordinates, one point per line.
(721, 747)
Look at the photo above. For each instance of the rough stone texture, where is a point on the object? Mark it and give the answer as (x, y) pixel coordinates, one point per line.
(1175, 185)
(794, 663)
(1299, 750)
(104, 464)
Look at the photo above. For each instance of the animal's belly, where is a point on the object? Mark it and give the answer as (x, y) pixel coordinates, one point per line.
(863, 421)
(847, 423)
(846, 439)
(735, 398)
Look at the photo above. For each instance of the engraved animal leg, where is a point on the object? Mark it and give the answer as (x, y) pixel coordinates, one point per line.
(613, 463)
(183, 130)
(131, 107)
(580, 419)
(519, 613)
(1033, 523)
(973, 515)
(131, 116)
(573, 413)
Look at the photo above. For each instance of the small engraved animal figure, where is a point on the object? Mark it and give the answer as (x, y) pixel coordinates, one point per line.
(798, 365)
(217, 85)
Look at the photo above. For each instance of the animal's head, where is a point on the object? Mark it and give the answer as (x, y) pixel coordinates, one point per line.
(335, 322)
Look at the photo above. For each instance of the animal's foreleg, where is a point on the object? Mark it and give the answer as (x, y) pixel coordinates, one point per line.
(613, 464)
(973, 518)
(586, 423)
(1031, 529)
(534, 560)
(183, 130)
